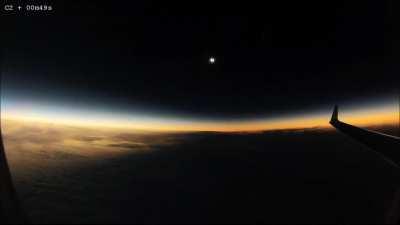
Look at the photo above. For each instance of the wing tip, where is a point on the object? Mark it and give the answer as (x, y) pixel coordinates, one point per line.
(335, 115)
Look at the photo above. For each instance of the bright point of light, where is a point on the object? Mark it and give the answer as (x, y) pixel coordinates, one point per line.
(212, 60)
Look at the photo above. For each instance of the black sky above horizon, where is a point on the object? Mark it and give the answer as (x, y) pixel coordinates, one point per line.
(282, 58)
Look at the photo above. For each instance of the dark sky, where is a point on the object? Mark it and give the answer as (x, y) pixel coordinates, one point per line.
(279, 58)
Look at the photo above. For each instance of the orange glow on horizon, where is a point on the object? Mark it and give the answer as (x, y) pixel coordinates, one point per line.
(366, 117)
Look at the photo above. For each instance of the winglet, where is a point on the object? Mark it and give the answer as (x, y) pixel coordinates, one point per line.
(335, 113)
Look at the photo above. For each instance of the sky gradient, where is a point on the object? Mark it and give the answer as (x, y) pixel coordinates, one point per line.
(381, 112)
(105, 66)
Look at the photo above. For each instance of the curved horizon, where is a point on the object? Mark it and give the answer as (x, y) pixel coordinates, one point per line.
(380, 112)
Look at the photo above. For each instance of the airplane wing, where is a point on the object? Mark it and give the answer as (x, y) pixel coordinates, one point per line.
(386, 145)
